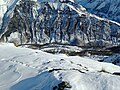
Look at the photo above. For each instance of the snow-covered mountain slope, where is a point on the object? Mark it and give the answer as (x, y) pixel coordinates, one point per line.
(104, 8)
(27, 69)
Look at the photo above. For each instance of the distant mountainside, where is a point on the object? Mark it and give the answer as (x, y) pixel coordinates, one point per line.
(104, 8)
(64, 21)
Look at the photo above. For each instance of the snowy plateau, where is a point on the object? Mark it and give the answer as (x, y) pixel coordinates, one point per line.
(59, 44)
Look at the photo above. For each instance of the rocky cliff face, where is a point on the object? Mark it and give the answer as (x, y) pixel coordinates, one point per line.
(59, 22)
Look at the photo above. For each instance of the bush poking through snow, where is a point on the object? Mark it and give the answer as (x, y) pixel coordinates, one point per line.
(62, 86)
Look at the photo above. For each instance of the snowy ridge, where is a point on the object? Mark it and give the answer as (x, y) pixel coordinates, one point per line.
(92, 15)
(81, 10)
(33, 69)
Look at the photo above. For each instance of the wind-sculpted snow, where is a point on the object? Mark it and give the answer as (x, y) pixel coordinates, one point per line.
(27, 69)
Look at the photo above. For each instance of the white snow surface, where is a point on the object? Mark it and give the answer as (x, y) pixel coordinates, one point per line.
(28, 69)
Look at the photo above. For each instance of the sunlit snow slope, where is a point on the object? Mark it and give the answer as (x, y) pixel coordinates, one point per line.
(27, 69)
